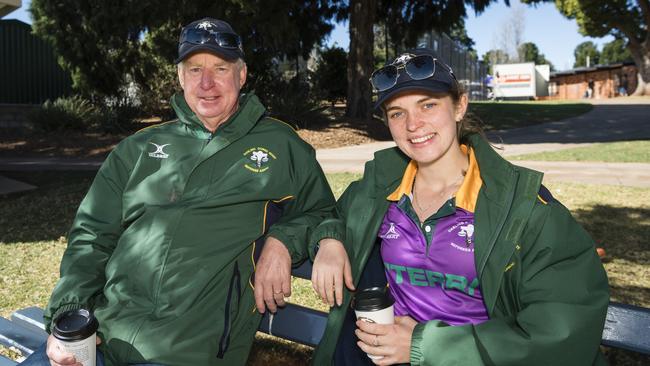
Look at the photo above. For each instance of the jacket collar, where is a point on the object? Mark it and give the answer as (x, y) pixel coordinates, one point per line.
(389, 173)
(467, 193)
(501, 173)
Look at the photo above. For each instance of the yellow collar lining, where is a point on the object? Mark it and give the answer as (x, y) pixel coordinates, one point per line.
(467, 193)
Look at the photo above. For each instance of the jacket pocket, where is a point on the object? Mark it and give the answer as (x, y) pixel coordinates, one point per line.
(230, 310)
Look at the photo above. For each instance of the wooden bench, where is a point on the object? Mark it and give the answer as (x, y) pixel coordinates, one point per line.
(627, 327)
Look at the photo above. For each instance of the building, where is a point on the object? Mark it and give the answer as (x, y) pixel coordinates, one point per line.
(7, 6)
(29, 69)
(607, 81)
(520, 81)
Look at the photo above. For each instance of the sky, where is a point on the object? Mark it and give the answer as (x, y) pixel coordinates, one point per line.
(555, 36)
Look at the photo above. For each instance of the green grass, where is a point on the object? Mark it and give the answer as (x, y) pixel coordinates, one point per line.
(609, 152)
(505, 115)
(33, 226)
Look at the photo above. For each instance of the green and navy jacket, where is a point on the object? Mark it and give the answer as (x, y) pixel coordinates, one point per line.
(543, 285)
(163, 246)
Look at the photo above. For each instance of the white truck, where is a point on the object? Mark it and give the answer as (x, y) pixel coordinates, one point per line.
(520, 81)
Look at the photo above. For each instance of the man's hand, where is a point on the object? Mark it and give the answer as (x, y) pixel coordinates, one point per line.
(58, 356)
(393, 341)
(331, 269)
(272, 276)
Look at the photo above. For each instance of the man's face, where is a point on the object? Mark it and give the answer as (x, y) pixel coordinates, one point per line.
(211, 87)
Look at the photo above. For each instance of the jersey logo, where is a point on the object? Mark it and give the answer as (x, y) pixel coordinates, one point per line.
(391, 233)
(466, 231)
(258, 159)
(159, 153)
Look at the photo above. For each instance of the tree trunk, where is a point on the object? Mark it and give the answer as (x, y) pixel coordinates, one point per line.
(360, 58)
(641, 57)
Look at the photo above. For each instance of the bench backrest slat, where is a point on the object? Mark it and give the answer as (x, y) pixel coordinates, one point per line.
(627, 327)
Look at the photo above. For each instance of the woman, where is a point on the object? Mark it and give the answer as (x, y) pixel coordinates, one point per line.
(484, 265)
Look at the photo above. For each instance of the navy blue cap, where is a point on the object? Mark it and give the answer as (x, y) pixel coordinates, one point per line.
(442, 81)
(211, 28)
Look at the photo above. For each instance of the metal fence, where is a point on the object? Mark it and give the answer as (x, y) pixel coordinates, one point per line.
(468, 69)
(29, 72)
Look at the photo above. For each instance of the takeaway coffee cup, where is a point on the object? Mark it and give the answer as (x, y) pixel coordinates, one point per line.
(374, 305)
(76, 332)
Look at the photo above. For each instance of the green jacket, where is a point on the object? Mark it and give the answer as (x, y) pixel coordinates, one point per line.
(544, 287)
(162, 246)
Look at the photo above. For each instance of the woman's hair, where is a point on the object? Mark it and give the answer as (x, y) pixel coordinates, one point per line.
(470, 124)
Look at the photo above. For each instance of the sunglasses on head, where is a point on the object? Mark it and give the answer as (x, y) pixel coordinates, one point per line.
(416, 67)
(202, 36)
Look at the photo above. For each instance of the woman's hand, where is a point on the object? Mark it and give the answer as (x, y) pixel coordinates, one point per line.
(330, 270)
(392, 341)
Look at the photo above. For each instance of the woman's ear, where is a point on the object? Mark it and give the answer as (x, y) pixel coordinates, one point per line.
(461, 107)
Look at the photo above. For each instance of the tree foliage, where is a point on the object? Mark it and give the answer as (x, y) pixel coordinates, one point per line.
(404, 22)
(493, 57)
(586, 50)
(330, 77)
(529, 52)
(615, 52)
(628, 20)
(105, 44)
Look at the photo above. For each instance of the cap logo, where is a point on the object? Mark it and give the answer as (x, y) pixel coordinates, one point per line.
(403, 59)
(205, 25)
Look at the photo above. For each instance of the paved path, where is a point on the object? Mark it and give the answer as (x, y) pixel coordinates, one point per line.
(610, 120)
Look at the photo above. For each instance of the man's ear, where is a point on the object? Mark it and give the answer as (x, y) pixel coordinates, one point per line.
(181, 76)
(242, 76)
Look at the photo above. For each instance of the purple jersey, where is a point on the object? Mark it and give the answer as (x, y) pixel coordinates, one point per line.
(436, 281)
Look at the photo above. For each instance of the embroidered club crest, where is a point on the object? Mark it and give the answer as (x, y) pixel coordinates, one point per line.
(258, 159)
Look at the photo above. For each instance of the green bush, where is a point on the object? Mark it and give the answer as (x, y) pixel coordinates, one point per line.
(291, 100)
(64, 114)
(331, 78)
(117, 119)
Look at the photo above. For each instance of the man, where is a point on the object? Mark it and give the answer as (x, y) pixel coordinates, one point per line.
(163, 246)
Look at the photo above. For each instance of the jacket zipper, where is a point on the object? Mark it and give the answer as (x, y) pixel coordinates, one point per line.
(225, 336)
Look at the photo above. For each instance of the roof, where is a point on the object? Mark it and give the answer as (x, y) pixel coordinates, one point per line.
(7, 6)
(584, 70)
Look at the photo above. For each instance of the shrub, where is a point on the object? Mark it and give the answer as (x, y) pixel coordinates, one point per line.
(290, 99)
(330, 78)
(71, 113)
(117, 118)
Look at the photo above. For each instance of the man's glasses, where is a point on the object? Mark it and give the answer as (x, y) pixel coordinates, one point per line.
(417, 67)
(202, 36)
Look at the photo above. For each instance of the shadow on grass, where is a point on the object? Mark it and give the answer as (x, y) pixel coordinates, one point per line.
(45, 213)
(621, 357)
(604, 123)
(624, 232)
(506, 115)
(268, 350)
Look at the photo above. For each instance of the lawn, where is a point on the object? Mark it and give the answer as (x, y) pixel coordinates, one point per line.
(33, 226)
(609, 152)
(505, 115)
